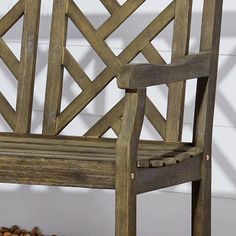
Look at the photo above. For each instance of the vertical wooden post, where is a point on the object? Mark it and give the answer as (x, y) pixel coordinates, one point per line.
(27, 66)
(175, 111)
(55, 67)
(126, 158)
(203, 123)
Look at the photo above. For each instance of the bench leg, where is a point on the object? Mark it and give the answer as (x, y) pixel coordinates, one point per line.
(201, 208)
(125, 220)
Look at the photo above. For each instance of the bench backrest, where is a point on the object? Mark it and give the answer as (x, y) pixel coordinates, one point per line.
(179, 11)
(55, 120)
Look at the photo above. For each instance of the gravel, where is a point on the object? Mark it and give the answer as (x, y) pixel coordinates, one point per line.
(16, 231)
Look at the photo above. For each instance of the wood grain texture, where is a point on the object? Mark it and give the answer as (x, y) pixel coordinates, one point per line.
(19, 119)
(145, 75)
(79, 162)
(9, 59)
(180, 47)
(106, 122)
(8, 20)
(157, 178)
(126, 157)
(110, 5)
(127, 164)
(203, 119)
(27, 66)
(60, 120)
(7, 111)
(55, 70)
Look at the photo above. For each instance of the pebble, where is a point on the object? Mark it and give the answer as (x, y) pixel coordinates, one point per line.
(16, 231)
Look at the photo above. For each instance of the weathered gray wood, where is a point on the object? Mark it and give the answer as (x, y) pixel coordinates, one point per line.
(144, 75)
(118, 17)
(9, 59)
(105, 123)
(27, 66)
(56, 172)
(75, 70)
(203, 119)
(149, 179)
(95, 174)
(8, 20)
(152, 156)
(55, 69)
(23, 70)
(155, 117)
(127, 164)
(111, 5)
(81, 101)
(126, 157)
(180, 46)
(7, 112)
(88, 142)
(95, 40)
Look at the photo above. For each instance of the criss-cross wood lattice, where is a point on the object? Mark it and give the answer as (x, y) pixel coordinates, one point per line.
(55, 121)
(19, 119)
(125, 164)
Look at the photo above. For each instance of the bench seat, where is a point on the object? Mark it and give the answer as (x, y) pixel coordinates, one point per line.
(85, 162)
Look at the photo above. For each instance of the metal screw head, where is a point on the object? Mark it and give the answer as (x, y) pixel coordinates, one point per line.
(207, 157)
(132, 175)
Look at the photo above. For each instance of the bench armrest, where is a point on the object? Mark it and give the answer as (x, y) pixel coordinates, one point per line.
(137, 76)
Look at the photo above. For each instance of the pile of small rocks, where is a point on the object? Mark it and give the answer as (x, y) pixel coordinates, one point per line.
(16, 231)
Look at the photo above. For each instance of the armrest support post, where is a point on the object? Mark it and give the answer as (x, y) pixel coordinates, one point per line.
(126, 156)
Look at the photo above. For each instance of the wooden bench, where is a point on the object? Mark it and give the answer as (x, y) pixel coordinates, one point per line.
(127, 164)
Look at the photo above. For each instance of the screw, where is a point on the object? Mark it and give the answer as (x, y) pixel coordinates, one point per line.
(207, 157)
(132, 175)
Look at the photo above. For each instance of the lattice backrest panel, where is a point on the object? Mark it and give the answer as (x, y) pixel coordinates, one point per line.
(56, 120)
(19, 119)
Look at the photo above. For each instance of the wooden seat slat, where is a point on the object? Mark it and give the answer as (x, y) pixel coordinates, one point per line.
(154, 156)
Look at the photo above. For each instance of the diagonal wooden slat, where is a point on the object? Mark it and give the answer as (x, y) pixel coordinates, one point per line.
(23, 70)
(104, 30)
(118, 17)
(155, 117)
(83, 81)
(7, 112)
(151, 112)
(110, 5)
(105, 123)
(152, 55)
(83, 99)
(153, 29)
(116, 125)
(95, 40)
(12, 17)
(75, 70)
(9, 59)
(149, 51)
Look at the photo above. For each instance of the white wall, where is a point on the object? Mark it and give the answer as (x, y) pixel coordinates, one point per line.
(68, 211)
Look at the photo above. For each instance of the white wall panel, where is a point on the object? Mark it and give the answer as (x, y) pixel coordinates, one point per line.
(91, 212)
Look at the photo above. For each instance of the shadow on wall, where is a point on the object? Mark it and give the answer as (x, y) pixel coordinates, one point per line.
(89, 212)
